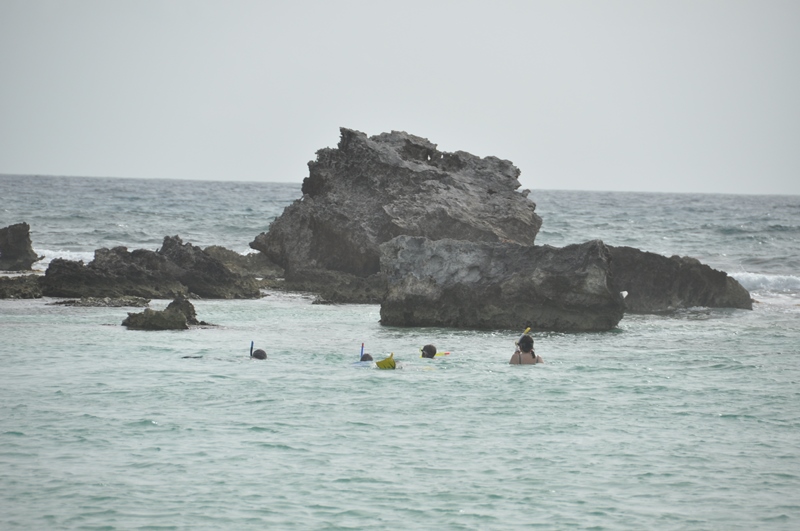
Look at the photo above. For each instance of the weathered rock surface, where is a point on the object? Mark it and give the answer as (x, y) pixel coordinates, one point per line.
(254, 264)
(20, 287)
(204, 275)
(656, 283)
(16, 251)
(498, 285)
(177, 316)
(336, 287)
(369, 190)
(175, 269)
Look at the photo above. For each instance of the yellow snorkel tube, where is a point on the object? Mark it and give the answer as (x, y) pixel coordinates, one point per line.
(516, 343)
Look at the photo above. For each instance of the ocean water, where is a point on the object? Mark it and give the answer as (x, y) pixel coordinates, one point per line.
(684, 421)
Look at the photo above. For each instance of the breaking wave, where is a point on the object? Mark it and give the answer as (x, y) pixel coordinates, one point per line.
(761, 282)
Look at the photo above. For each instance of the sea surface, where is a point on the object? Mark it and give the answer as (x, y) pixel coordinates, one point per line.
(682, 421)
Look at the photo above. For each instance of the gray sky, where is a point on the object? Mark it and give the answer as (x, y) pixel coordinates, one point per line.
(683, 96)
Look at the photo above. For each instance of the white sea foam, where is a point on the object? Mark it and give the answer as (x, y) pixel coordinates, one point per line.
(50, 255)
(762, 282)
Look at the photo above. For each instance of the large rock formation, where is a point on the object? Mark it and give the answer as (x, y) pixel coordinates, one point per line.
(656, 283)
(16, 252)
(370, 189)
(175, 269)
(498, 285)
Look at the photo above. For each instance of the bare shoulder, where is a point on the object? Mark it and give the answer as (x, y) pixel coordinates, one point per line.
(515, 359)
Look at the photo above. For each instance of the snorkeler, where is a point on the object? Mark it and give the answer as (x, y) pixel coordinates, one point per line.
(524, 355)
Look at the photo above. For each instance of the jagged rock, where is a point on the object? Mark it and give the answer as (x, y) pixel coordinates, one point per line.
(105, 302)
(254, 264)
(178, 315)
(498, 285)
(20, 287)
(16, 252)
(369, 190)
(175, 269)
(204, 275)
(113, 273)
(180, 304)
(656, 283)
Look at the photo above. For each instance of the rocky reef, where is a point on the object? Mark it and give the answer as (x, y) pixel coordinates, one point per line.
(656, 283)
(369, 190)
(498, 285)
(16, 251)
(176, 268)
(436, 238)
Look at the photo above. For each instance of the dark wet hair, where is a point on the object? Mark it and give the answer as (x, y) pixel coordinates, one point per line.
(526, 343)
(366, 357)
(259, 354)
(428, 351)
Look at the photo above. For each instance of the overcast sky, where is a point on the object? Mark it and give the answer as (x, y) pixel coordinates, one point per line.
(670, 96)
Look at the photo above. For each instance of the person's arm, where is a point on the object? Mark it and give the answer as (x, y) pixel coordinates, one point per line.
(515, 358)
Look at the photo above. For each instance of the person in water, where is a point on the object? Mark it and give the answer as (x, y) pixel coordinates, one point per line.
(259, 354)
(365, 357)
(428, 351)
(524, 355)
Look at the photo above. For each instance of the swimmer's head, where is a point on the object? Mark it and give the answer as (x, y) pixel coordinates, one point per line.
(526, 343)
(428, 351)
(259, 354)
(366, 357)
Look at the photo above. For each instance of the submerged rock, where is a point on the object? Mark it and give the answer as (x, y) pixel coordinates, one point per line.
(105, 302)
(498, 285)
(175, 269)
(655, 283)
(16, 251)
(369, 190)
(177, 316)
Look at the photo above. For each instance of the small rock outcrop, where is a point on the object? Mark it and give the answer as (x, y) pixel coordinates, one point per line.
(16, 251)
(175, 269)
(369, 190)
(177, 316)
(656, 283)
(498, 285)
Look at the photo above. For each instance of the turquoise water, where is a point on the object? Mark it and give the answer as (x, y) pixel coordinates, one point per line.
(689, 421)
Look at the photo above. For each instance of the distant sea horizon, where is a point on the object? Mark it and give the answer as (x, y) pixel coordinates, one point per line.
(522, 186)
